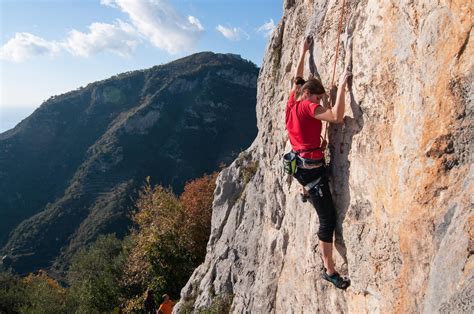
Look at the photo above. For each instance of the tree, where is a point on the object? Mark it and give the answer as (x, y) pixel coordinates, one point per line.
(169, 237)
(12, 293)
(43, 294)
(95, 276)
(35, 293)
(197, 200)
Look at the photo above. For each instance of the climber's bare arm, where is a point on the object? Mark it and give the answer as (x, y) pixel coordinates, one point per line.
(336, 113)
(300, 68)
(304, 49)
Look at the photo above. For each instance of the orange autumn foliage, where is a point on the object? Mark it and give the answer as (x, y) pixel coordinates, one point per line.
(42, 276)
(197, 200)
(169, 237)
(43, 294)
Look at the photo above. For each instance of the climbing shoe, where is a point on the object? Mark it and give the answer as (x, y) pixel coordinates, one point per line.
(337, 280)
(304, 197)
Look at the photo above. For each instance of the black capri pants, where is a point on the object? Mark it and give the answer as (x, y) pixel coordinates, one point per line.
(321, 199)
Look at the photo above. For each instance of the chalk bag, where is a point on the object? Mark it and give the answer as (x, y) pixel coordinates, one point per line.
(289, 163)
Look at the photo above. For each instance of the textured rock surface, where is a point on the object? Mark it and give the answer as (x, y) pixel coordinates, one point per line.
(401, 171)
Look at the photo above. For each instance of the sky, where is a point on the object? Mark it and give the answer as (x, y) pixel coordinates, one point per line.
(49, 47)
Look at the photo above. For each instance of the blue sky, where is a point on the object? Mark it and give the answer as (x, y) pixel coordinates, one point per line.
(48, 47)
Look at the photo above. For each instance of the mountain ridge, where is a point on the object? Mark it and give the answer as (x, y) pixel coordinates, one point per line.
(91, 148)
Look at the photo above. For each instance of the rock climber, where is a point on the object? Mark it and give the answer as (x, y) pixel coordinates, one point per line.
(303, 123)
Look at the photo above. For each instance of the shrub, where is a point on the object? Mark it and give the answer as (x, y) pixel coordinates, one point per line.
(169, 238)
(12, 293)
(95, 276)
(220, 304)
(43, 295)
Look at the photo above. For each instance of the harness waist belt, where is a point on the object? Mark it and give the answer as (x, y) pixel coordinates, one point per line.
(306, 163)
(306, 166)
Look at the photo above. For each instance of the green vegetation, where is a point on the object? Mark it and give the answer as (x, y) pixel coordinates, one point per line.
(248, 168)
(168, 241)
(36, 293)
(187, 306)
(114, 95)
(249, 171)
(95, 276)
(43, 295)
(220, 304)
(170, 237)
(11, 292)
(247, 165)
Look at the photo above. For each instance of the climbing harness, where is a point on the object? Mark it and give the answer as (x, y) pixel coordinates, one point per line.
(292, 161)
(308, 187)
(305, 163)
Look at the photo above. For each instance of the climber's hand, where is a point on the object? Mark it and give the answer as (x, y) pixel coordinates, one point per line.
(344, 79)
(308, 41)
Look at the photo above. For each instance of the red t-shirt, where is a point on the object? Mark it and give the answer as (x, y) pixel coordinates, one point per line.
(303, 129)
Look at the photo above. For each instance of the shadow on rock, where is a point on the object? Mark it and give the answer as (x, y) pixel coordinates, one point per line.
(340, 137)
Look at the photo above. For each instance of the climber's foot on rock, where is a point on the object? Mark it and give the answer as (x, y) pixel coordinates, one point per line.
(337, 280)
(304, 197)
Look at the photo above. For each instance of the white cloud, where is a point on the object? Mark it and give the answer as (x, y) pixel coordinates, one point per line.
(119, 38)
(194, 20)
(161, 24)
(232, 33)
(267, 28)
(25, 46)
(153, 20)
(109, 3)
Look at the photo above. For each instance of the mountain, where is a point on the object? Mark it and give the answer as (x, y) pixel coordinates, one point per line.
(10, 116)
(71, 170)
(401, 171)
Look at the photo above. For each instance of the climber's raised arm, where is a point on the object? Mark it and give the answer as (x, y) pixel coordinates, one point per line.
(298, 79)
(336, 113)
(300, 68)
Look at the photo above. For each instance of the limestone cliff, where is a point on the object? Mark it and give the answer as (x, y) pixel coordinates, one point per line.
(401, 171)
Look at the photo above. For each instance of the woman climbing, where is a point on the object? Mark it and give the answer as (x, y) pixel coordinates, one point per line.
(303, 123)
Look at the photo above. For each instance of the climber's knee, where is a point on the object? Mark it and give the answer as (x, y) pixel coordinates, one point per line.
(325, 238)
(326, 228)
(320, 197)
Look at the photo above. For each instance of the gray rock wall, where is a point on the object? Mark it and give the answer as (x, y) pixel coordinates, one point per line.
(401, 171)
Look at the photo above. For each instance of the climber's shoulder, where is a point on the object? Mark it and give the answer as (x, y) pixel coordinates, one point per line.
(292, 97)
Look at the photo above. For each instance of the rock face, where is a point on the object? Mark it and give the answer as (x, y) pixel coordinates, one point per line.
(401, 164)
(70, 171)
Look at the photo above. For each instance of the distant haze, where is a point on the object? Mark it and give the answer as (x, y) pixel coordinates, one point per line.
(11, 116)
